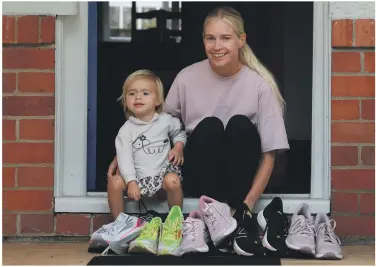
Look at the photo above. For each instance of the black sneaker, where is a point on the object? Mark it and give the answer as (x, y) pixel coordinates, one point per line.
(275, 225)
(246, 239)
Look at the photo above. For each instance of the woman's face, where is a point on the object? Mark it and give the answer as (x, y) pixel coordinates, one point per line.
(221, 43)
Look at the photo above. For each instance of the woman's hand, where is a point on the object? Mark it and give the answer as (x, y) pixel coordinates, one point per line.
(176, 154)
(113, 168)
(134, 191)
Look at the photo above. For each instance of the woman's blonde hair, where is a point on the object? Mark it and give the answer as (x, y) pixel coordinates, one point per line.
(247, 57)
(142, 74)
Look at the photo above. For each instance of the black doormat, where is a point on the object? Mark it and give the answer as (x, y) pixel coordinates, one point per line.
(193, 259)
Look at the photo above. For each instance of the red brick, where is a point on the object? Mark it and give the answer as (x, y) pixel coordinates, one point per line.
(28, 29)
(9, 29)
(27, 200)
(32, 153)
(344, 156)
(363, 86)
(28, 58)
(353, 132)
(28, 105)
(367, 203)
(369, 61)
(100, 220)
(47, 33)
(345, 62)
(342, 33)
(9, 224)
(36, 176)
(345, 109)
(37, 129)
(344, 202)
(365, 32)
(356, 179)
(9, 176)
(368, 109)
(37, 223)
(9, 130)
(368, 155)
(355, 225)
(68, 224)
(36, 82)
(9, 82)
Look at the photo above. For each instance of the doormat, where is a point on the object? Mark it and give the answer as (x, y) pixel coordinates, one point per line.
(193, 259)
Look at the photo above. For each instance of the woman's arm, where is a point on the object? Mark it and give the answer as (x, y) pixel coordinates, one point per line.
(261, 179)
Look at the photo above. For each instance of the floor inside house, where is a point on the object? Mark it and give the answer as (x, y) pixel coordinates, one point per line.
(76, 254)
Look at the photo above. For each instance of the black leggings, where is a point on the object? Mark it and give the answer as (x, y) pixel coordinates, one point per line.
(221, 163)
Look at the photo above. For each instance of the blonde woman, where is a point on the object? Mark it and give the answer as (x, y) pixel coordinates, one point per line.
(232, 110)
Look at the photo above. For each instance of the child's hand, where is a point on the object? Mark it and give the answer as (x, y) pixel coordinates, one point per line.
(176, 154)
(134, 191)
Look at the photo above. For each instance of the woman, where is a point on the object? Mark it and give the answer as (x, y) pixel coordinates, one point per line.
(232, 110)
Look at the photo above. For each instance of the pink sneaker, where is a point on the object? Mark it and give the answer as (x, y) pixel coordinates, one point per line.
(218, 219)
(195, 234)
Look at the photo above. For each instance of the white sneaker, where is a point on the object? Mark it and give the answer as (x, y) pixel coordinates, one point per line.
(101, 238)
(301, 235)
(218, 219)
(328, 245)
(123, 231)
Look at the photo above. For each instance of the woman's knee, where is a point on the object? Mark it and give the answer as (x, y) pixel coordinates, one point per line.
(116, 182)
(171, 182)
(240, 124)
(209, 126)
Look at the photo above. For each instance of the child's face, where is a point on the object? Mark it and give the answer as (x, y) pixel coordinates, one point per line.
(141, 97)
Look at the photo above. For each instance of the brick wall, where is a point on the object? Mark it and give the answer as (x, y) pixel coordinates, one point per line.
(28, 130)
(353, 126)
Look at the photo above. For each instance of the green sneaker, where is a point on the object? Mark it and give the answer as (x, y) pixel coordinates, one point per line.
(147, 241)
(171, 236)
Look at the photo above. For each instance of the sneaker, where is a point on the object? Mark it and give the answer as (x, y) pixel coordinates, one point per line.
(147, 241)
(101, 237)
(275, 225)
(124, 231)
(171, 235)
(328, 245)
(195, 234)
(301, 235)
(247, 238)
(218, 219)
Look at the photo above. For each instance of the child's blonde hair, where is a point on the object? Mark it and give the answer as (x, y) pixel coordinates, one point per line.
(142, 74)
(247, 57)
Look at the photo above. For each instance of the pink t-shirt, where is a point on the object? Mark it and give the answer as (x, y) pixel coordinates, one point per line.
(198, 92)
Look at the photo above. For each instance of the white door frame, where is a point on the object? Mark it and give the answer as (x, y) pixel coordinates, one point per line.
(71, 122)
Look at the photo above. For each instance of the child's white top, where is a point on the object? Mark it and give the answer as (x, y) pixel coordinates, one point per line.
(142, 147)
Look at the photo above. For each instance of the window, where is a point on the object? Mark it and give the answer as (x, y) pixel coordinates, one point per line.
(71, 133)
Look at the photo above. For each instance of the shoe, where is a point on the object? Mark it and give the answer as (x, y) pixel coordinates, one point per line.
(218, 219)
(301, 235)
(124, 230)
(195, 234)
(101, 238)
(328, 245)
(247, 238)
(171, 235)
(147, 241)
(275, 225)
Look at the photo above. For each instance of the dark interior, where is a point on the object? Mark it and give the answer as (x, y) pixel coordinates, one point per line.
(266, 28)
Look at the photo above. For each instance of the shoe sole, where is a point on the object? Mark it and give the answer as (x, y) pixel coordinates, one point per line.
(193, 250)
(329, 256)
(241, 252)
(223, 236)
(261, 220)
(142, 247)
(307, 250)
(98, 243)
(265, 242)
(166, 250)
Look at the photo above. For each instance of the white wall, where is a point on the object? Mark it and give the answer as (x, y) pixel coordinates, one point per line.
(352, 10)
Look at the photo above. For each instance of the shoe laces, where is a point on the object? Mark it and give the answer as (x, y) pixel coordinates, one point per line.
(190, 228)
(303, 227)
(326, 232)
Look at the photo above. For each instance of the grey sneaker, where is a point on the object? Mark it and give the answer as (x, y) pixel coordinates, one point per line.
(328, 245)
(301, 235)
(123, 231)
